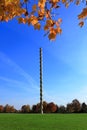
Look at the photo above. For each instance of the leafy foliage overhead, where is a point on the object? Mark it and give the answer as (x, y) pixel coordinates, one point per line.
(40, 11)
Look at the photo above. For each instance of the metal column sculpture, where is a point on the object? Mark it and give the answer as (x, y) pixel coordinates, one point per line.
(41, 91)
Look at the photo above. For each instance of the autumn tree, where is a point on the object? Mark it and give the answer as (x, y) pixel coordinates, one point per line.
(51, 108)
(62, 109)
(35, 13)
(69, 108)
(25, 109)
(74, 107)
(1, 108)
(36, 108)
(45, 106)
(9, 109)
(84, 108)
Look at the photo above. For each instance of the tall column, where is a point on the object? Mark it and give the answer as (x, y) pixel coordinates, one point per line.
(41, 90)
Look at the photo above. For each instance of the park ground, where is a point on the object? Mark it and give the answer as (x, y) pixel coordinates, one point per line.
(43, 122)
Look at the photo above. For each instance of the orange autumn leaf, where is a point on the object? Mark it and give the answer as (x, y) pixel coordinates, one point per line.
(83, 14)
(25, 1)
(37, 26)
(34, 20)
(46, 27)
(59, 20)
(63, 1)
(52, 36)
(67, 4)
(21, 20)
(34, 7)
(77, 2)
(81, 24)
(49, 22)
(58, 30)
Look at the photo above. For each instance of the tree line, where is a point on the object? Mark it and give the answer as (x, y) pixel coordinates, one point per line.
(74, 107)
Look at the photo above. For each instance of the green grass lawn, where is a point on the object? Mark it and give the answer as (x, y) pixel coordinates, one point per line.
(43, 122)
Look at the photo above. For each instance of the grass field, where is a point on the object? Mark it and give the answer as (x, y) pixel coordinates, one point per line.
(43, 122)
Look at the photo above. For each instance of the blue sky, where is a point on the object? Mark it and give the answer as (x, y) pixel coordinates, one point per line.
(64, 62)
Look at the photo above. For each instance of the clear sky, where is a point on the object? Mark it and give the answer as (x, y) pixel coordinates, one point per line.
(64, 62)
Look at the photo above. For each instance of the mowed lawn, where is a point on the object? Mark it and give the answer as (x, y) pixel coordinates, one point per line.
(43, 122)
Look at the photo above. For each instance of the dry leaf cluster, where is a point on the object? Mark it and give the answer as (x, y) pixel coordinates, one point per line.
(41, 11)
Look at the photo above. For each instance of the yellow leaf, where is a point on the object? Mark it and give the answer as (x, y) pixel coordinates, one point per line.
(0, 18)
(47, 14)
(46, 27)
(67, 4)
(58, 30)
(77, 2)
(37, 26)
(41, 14)
(63, 1)
(23, 11)
(52, 36)
(49, 22)
(81, 24)
(54, 1)
(57, 24)
(8, 0)
(22, 20)
(41, 4)
(34, 21)
(59, 20)
(34, 7)
(29, 21)
(25, 1)
(83, 14)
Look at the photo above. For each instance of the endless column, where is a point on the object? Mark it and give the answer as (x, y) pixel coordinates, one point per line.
(41, 91)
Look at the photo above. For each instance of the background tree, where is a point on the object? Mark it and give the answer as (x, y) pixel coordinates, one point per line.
(51, 108)
(12, 109)
(69, 108)
(25, 109)
(40, 11)
(62, 109)
(74, 107)
(45, 106)
(1, 108)
(33, 109)
(36, 108)
(9, 109)
(84, 108)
